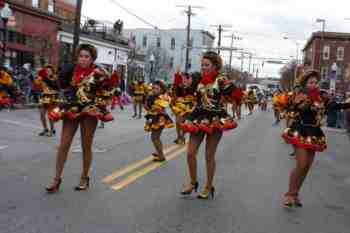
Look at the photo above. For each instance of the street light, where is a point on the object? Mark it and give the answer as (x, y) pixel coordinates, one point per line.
(151, 60)
(296, 58)
(5, 13)
(323, 21)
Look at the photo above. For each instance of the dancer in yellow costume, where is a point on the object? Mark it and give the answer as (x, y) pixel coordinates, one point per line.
(156, 118)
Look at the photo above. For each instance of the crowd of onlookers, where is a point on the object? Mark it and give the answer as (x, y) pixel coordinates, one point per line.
(23, 78)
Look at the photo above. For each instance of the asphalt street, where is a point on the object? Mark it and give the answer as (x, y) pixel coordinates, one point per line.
(131, 194)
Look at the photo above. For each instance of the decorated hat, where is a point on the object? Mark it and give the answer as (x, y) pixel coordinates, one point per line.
(302, 80)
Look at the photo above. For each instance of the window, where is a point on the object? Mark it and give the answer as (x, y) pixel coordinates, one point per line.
(324, 73)
(158, 42)
(51, 6)
(340, 53)
(144, 41)
(326, 52)
(172, 43)
(171, 63)
(35, 3)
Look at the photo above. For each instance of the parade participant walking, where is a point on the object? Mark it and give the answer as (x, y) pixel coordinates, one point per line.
(156, 117)
(209, 119)
(47, 82)
(138, 90)
(183, 101)
(251, 101)
(236, 102)
(7, 89)
(305, 134)
(87, 91)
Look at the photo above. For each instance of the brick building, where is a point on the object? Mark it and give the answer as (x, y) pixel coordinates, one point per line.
(34, 38)
(325, 49)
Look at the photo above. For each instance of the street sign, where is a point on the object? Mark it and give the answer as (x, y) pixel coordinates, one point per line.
(275, 62)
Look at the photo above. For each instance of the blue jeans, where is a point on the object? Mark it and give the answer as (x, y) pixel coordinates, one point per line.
(340, 120)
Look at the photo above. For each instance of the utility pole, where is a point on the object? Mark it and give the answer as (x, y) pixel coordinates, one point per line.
(220, 30)
(242, 61)
(250, 61)
(233, 37)
(189, 13)
(76, 29)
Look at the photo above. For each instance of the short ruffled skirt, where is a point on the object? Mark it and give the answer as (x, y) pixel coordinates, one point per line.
(5, 101)
(201, 120)
(183, 106)
(71, 109)
(305, 137)
(138, 98)
(49, 100)
(156, 121)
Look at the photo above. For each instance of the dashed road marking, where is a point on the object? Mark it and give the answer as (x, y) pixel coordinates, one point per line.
(137, 175)
(133, 166)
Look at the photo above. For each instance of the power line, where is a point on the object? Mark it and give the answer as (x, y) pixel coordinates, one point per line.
(133, 14)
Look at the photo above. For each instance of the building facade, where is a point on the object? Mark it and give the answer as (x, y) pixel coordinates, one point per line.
(329, 52)
(33, 39)
(169, 49)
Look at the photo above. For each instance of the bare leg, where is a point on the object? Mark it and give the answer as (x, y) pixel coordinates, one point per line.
(52, 126)
(43, 118)
(210, 151)
(234, 109)
(239, 111)
(193, 146)
(180, 133)
(68, 131)
(87, 129)
(304, 161)
(140, 110)
(157, 143)
(135, 109)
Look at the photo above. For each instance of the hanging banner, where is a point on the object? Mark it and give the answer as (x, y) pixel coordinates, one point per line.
(122, 57)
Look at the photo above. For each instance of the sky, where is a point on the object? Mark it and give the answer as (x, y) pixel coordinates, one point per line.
(262, 24)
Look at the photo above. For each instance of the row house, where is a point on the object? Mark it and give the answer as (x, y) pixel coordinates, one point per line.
(329, 52)
(33, 39)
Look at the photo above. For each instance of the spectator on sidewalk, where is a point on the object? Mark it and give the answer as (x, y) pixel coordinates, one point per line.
(332, 107)
(331, 112)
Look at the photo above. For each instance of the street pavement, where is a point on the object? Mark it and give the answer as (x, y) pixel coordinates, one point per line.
(130, 194)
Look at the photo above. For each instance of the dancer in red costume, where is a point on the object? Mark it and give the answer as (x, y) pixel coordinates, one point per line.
(47, 82)
(209, 119)
(305, 134)
(88, 90)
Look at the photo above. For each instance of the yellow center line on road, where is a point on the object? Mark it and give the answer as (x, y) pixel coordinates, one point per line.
(130, 179)
(132, 167)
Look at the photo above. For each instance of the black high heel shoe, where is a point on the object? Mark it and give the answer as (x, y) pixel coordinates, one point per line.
(188, 190)
(44, 132)
(84, 186)
(206, 193)
(54, 187)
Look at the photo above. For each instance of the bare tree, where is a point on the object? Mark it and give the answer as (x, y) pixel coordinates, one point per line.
(287, 73)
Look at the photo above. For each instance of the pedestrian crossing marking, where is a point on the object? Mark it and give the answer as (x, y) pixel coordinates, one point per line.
(134, 166)
(133, 177)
